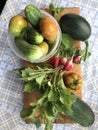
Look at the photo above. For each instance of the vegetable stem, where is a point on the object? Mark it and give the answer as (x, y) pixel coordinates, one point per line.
(86, 51)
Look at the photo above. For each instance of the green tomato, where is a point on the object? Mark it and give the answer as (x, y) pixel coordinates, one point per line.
(16, 24)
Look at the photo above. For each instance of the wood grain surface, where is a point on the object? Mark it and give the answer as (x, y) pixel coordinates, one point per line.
(33, 96)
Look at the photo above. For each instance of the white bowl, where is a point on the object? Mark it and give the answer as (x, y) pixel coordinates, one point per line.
(44, 58)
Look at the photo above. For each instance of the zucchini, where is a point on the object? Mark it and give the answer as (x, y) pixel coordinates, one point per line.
(33, 14)
(82, 113)
(76, 26)
(31, 52)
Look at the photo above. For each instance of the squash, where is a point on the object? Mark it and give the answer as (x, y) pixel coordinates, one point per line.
(77, 27)
(33, 14)
(82, 113)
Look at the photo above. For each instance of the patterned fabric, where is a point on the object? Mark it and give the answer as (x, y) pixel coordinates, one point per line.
(11, 87)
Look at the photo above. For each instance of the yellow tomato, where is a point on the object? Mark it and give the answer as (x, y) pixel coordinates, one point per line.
(73, 80)
(16, 24)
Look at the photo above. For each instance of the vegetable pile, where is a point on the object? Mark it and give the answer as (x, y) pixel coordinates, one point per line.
(49, 79)
(33, 33)
(54, 97)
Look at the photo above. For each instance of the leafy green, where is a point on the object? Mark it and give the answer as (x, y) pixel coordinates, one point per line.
(49, 126)
(30, 86)
(66, 96)
(37, 122)
(26, 112)
(55, 10)
(55, 96)
(66, 46)
(66, 41)
(40, 79)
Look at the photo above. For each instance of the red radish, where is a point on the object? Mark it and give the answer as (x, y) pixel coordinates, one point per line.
(76, 59)
(68, 66)
(55, 61)
(63, 61)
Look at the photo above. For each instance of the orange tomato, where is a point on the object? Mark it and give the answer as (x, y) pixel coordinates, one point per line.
(48, 28)
(73, 80)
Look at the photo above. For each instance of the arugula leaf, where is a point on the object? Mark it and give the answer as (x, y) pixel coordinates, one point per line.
(66, 46)
(66, 96)
(37, 122)
(53, 95)
(61, 85)
(40, 79)
(26, 112)
(52, 7)
(30, 86)
(66, 41)
(25, 72)
(48, 126)
(43, 98)
(55, 10)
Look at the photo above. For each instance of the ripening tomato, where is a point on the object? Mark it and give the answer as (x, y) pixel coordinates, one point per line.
(48, 28)
(16, 24)
(73, 80)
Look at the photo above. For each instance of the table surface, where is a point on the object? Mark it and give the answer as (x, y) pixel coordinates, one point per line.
(11, 92)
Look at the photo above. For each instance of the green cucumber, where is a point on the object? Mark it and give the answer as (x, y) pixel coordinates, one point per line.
(31, 35)
(82, 113)
(34, 37)
(31, 52)
(33, 14)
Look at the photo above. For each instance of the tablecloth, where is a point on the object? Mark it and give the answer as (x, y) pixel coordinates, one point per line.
(11, 92)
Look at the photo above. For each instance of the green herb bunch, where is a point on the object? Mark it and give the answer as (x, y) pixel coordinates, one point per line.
(55, 97)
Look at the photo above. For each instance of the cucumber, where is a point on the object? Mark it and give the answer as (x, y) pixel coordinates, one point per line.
(76, 26)
(33, 36)
(33, 14)
(31, 52)
(82, 113)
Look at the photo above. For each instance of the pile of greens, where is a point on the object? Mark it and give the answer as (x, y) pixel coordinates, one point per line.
(55, 99)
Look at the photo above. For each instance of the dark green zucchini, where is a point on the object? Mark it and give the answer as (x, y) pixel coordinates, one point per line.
(82, 113)
(76, 26)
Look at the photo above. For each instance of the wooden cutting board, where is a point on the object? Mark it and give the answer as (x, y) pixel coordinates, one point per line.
(33, 96)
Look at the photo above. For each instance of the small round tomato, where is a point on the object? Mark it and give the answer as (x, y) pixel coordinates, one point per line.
(48, 28)
(73, 80)
(16, 24)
